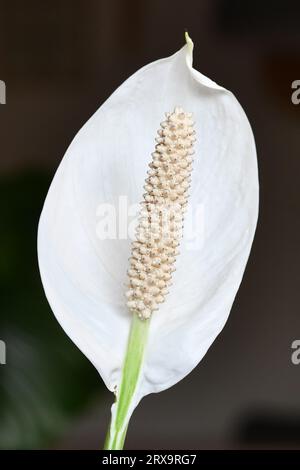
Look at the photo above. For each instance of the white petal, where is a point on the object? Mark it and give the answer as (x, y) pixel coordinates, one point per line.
(84, 276)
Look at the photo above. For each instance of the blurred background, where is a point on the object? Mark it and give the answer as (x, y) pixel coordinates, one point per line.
(60, 61)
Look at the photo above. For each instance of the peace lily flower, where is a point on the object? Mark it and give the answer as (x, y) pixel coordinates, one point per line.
(204, 157)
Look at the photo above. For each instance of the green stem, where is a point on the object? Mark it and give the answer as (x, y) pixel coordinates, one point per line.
(130, 375)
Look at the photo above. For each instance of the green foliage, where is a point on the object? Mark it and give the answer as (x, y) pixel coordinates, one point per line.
(46, 380)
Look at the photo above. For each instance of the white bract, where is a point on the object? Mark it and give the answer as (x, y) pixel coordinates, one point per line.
(84, 277)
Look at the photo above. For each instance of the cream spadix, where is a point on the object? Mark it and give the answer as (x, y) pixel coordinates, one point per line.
(84, 275)
(160, 226)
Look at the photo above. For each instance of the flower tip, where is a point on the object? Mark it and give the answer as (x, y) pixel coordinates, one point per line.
(188, 41)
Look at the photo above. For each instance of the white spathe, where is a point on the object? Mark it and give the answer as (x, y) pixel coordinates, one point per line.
(84, 277)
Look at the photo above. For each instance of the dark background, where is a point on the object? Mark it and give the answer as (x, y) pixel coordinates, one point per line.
(60, 60)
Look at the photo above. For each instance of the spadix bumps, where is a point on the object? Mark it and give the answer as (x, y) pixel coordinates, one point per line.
(161, 219)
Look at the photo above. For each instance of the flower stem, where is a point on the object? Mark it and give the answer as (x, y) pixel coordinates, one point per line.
(130, 375)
